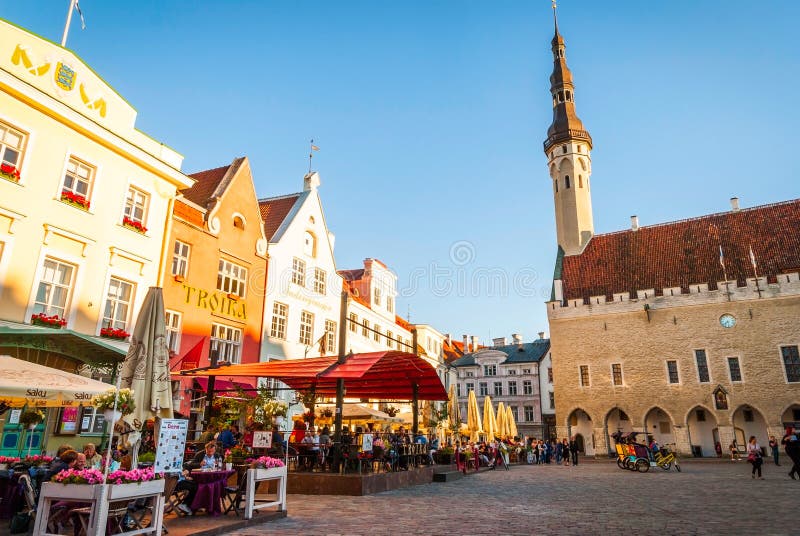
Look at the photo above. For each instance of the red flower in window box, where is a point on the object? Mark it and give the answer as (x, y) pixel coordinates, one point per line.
(53, 321)
(75, 199)
(9, 172)
(133, 224)
(112, 333)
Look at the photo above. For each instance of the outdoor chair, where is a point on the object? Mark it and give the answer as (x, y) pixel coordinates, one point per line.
(351, 459)
(114, 524)
(234, 495)
(378, 459)
(138, 513)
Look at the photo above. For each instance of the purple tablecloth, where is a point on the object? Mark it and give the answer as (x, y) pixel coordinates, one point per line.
(11, 495)
(210, 489)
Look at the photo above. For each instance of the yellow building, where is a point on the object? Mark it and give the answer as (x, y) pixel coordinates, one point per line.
(84, 200)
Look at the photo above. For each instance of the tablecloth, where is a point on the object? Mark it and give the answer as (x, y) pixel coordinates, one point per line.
(210, 490)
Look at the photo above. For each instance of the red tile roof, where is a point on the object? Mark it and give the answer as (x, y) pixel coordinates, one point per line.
(274, 210)
(207, 182)
(402, 322)
(354, 294)
(681, 253)
(351, 275)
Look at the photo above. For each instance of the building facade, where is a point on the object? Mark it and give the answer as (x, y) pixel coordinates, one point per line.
(686, 330)
(215, 285)
(84, 201)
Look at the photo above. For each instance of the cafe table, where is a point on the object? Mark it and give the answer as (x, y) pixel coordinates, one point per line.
(210, 490)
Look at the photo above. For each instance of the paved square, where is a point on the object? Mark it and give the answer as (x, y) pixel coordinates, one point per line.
(593, 498)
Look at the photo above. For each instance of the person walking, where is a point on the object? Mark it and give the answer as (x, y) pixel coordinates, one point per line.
(573, 448)
(773, 446)
(754, 456)
(565, 451)
(792, 447)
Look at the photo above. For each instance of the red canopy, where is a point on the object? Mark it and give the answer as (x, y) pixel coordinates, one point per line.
(387, 375)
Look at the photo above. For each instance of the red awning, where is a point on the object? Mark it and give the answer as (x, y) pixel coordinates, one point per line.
(220, 385)
(388, 375)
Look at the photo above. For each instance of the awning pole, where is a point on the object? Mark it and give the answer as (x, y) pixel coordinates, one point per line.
(214, 358)
(415, 391)
(337, 435)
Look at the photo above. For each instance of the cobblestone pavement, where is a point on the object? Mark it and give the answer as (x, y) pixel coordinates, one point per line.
(593, 498)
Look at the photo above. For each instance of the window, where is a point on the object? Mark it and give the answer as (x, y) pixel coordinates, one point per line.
(512, 388)
(470, 374)
(227, 341)
(319, 280)
(549, 374)
(365, 328)
(566, 182)
(735, 371)
(376, 296)
(280, 312)
(552, 400)
(584, 373)
(498, 389)
(555, 182)
(483, 388)
(470, 387)
(672, 372)
(78, 178)
(526, 371)
(92, 421)
(136, 205)
(527, 387)
(748, 415)
(490, 370)
(299, 272)
(512, 372)
(238, 222)
(330, 336)
(12, 146)
(701, 415)
(377, 333)
(118, 302)
(791, 360)
(458, 389)
(231, 278)
(310, 244)
(353, 324)
(580, 181)
(389, 338)
(390, 304)
(702, 366)
(306, 327)
(173, 322)
(616, 374)
(55, 285)
(563, 149)
(528, 413)
(180, 259)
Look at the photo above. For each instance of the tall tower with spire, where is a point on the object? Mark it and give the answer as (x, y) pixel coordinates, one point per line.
(568, 149)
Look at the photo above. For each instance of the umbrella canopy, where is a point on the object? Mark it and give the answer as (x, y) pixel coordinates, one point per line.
(453, 410)
(511, 423)
(26, 383)
(501, 430)
(145, 369)
(489, 422)
(473, 417)
(359, 412)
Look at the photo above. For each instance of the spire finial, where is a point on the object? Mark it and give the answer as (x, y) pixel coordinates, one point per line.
(555, 16)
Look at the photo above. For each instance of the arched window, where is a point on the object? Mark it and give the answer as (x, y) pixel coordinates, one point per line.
(564, 149)
(566, 181)
(310, 244)
(238, 222)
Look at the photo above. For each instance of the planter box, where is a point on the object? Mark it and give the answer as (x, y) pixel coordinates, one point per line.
(254, 476)
(269, 474)
(130, 491)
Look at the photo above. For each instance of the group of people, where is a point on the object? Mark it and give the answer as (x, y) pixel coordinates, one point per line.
(755, 456)
(552, 451)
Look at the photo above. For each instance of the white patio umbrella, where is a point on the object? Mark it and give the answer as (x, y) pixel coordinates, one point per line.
(146, 368)
(502, 430)
(453, 411)
(511, 423)
(473, 417)
(489, 422)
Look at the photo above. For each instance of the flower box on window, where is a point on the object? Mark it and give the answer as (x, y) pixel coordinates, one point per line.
(7, 171)
(53, 321)
(233, 297)
(179, 278)
(71, 198)
(134, 225)
(112, 333)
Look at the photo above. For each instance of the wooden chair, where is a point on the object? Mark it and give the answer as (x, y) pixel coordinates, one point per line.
(235, 494)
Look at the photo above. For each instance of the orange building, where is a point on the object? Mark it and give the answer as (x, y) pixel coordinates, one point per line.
(214, 290)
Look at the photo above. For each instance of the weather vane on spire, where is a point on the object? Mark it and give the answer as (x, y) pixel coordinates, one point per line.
(555, 18)
(311, 153)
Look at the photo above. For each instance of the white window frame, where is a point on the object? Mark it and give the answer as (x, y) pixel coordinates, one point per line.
(365, 328)
(389, 338)
(376, 332)
(78, 164)
(319, 280)
(677, 370)
(131, 205)
(231, 278)
(483, 388)
(299, 272)
(515, 391)
(376, 296)
(230, 348)
(180, 258)
(280, 318)
(173, 321)
(490, 370)
(621, 376)
(527, 387)
(330, 336)
(5, 127)
(116, 301)
(306, 335)
(526, 414)
(497, 386)
(47, 306)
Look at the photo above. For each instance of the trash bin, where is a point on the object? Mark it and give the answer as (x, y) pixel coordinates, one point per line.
(697, 451)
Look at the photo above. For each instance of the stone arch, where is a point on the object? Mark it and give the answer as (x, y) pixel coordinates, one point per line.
(749, 421)
(553, 171)
(617, 419)
(579, 423)
(582, 162)
(565, 166)
(659, 423)
(703, 430)
(788, 414)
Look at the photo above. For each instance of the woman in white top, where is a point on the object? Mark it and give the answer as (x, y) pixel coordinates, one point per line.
(754, 456)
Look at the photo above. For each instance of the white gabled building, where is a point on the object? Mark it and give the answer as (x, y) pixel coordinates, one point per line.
(303, 298)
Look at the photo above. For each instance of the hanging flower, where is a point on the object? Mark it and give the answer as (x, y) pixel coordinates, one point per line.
(124, 398)
(31, 417)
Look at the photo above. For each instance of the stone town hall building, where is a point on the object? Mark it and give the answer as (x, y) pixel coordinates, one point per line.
(676, 328)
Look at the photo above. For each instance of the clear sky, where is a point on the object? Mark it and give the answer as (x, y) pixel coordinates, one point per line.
(431, 114)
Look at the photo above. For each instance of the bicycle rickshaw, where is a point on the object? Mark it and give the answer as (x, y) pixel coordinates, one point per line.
(639, 457)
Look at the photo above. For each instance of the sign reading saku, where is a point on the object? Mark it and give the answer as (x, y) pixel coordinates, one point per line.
(216, 302)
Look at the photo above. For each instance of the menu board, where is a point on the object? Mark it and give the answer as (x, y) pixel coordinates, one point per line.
(171, 445)
(67, 421)
(366, 442)
(262, 440)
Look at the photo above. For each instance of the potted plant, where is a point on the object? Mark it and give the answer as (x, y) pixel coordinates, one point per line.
(76, 200)
(105, 403)
(238, 454)
(52, 321)
(112, 333)
(134, 225)
(31, 417)
(147, 459)
(444, 455)
(391, 411)
(9, 172)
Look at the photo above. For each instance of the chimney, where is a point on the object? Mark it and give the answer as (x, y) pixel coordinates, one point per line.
(448, 339)
(634, 223)
(541, 334)
(474, 343)
(466, 344)
(517, 338)
(735, 204)
(311, 181)
(499, 341)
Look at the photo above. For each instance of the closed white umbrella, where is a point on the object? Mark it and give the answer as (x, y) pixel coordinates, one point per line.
(473, 417)
(511, 423)
(489, 422)
(501, 430)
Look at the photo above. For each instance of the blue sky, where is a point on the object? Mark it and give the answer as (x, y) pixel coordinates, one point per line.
(430, 117)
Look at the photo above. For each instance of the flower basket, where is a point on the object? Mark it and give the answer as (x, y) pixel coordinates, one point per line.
(9, 172)
(53, 321)
(134, 225)
(124, 398)
(111, 333)
(31, 417)
(75, 200)
(266, 462)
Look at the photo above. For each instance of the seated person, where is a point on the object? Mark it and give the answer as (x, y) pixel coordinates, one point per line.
(209, 458)
(93, 458)
(80, 461)
(185, 483)
(67, 460)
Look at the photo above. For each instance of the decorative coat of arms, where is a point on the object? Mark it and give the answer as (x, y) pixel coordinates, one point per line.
(65, 77)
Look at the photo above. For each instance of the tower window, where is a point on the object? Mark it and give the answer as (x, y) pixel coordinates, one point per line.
(564, 149)
(580, 148)
(580, 181)
(566, 181)
(556, 183)
(568, 95)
